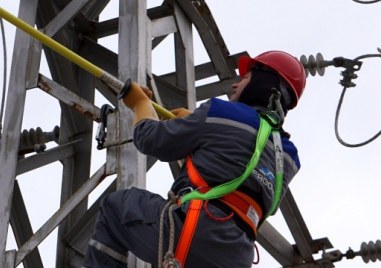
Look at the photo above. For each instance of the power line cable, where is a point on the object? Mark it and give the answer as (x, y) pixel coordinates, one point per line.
(4, 74)
(348, 75)
(366, 2)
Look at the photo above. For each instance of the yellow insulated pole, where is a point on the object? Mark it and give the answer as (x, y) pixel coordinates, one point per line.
(109, 79)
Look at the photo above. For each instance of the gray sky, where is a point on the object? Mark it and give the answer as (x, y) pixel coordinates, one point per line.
(338, 189)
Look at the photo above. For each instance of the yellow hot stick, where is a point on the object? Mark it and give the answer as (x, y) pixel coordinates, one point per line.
(109, 79)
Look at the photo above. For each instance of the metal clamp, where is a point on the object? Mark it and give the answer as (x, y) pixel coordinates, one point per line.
(101, 131)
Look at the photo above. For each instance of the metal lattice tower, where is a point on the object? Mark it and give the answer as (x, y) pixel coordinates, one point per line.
(76, 25)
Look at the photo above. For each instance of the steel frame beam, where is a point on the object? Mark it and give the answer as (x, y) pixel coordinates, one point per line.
(12, 123)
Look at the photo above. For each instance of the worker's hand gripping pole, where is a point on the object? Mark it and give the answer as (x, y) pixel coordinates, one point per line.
(109, 79)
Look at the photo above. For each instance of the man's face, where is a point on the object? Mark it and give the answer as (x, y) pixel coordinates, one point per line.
(237, 88)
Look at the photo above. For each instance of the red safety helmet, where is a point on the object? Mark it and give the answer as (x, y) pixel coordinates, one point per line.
(286, 65)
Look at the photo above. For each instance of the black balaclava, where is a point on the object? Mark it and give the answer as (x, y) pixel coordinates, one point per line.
(257, 93)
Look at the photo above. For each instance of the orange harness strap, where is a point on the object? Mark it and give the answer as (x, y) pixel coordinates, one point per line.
(194, 176)
(190, 222)
(188, 230)
(243, 205)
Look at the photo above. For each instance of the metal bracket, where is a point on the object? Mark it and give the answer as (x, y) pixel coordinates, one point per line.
(350, 67)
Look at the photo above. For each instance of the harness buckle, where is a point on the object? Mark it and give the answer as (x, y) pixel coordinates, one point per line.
(185, 190)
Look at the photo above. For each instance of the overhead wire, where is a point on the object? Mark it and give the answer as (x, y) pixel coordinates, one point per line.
(4, 74)
(366, 2)
(339, 109)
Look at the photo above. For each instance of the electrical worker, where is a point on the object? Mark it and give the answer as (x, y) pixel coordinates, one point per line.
(219, 142)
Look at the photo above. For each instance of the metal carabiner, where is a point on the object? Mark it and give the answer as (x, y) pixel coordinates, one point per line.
(101, 131)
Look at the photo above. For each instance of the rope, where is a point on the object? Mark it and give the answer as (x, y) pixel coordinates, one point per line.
(257, 254)
(169, 258)
(215, 218)
(4, 75)
(161, 234)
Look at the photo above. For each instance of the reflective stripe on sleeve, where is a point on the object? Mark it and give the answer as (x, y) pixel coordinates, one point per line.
(109, 251)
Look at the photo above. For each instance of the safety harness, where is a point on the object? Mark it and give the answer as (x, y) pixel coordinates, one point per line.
(241, 204)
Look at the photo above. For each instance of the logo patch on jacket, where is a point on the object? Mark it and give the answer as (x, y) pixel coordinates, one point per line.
(265, 176)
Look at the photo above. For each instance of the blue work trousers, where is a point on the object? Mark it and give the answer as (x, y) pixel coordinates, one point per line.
(129, 221)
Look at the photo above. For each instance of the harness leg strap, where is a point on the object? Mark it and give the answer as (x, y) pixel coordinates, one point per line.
(188, 230)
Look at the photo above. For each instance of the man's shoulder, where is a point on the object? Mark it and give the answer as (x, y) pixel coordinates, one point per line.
(235, 111)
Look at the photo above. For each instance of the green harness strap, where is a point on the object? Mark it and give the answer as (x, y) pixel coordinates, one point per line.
(218, 191)
(278, 172)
